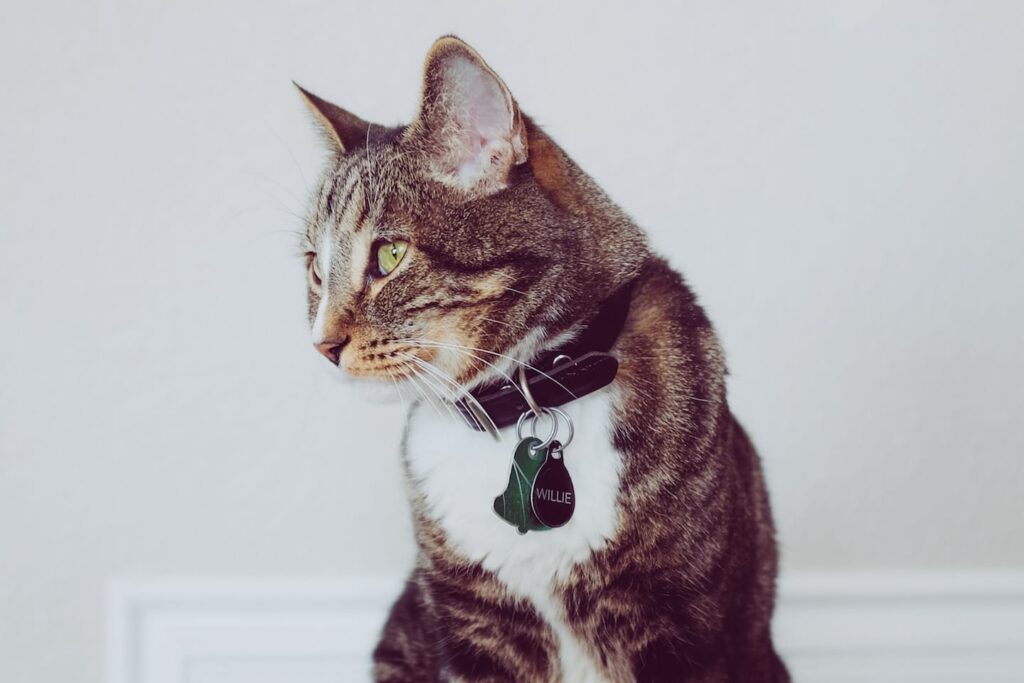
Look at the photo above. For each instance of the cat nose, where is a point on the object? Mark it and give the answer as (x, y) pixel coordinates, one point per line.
(331, 350)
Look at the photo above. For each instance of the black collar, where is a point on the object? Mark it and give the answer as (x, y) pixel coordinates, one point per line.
(566, 373)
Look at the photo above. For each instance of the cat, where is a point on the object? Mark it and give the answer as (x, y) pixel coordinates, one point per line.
(441, 258)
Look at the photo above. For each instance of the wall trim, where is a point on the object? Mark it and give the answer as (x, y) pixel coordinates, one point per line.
(831, 626)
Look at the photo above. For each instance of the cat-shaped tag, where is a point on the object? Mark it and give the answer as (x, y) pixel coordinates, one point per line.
(514, 505)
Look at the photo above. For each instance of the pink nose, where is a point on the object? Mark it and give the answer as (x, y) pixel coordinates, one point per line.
(331, 350)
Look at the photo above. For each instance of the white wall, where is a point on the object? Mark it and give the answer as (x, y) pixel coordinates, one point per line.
(841, 184)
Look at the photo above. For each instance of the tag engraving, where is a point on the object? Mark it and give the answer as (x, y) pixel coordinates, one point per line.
(553, 496)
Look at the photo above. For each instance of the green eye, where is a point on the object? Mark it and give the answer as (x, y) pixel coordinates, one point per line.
(389, 255)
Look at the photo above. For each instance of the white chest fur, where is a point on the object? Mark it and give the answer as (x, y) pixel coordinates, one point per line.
(460, 471)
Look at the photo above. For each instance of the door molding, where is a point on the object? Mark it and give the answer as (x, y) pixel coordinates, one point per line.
(830, 626)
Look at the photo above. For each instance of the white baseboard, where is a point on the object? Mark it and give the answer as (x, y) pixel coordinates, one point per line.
(830, 627)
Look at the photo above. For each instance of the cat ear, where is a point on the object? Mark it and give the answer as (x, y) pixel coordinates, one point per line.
(469, 126)
(343, 131)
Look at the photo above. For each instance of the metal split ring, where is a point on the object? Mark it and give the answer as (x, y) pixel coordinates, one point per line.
(554, 414)
(524, 389)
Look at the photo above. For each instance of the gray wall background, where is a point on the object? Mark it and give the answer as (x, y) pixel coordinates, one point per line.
(841, 183)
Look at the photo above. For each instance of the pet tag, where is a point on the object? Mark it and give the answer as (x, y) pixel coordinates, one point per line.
(514, 504)
(553, 497)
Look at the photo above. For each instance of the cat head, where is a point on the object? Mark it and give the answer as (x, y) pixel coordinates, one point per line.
(444, 252)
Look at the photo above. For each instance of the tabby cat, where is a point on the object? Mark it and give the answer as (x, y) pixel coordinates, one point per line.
(442, 257)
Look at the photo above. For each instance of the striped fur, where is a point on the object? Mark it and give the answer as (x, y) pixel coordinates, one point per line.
(511, 248)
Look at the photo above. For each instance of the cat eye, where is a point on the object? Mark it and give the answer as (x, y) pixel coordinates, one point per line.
(313, 270)
(389, 255)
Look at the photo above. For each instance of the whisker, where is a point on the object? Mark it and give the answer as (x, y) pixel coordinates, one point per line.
(465, 352)
(439, 391)
(424, 382)
(445, 377)
(511, 276)
(398, 386)
(266, 178)
(288, 149)
(422, 364)
(493, 353)
(419, 389)
(433, 388)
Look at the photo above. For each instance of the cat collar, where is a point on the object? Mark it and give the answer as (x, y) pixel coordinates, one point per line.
(556, 377)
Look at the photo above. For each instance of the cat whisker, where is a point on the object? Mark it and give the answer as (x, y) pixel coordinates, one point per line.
(420, 390)
(262, 209)
(430, 384)
(286, 148)
(440, 399)
(511, 276)
(445, 377)
(441, 394)
(398, 386)
(406, 369)
(459, 347)
(462, 350)
(435, 372)
(281, 186)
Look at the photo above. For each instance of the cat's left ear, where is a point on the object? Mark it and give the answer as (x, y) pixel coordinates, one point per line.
(343, 130)
(469, 127)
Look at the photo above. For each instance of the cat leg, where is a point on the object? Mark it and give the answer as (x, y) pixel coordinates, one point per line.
(403, 653)
(485, 636)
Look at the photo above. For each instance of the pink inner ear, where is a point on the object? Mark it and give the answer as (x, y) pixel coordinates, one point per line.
(482, 121)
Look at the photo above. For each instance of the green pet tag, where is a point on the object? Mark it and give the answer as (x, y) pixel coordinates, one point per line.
(514, 505)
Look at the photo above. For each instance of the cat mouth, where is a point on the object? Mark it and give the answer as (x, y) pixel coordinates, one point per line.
(429, 372)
